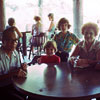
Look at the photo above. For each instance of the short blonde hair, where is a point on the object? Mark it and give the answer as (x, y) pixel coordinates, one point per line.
(90, 25)
(49, 44)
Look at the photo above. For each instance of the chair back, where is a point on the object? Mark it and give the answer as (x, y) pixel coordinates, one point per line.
(38, 40)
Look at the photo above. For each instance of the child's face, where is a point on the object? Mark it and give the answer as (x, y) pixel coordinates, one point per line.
(49, 51)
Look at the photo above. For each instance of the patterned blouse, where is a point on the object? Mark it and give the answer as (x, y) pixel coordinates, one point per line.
(91, 53)
(66, 43)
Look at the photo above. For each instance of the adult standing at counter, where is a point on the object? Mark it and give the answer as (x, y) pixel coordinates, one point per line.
(36, 31)
(51, 28)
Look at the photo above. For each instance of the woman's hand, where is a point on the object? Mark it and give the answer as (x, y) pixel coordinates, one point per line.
(39, 60)
(82, 62)
(76, 62)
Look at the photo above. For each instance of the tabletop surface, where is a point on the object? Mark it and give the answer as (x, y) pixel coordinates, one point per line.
(59, 81)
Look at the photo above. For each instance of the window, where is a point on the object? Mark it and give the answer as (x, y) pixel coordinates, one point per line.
(24, 10)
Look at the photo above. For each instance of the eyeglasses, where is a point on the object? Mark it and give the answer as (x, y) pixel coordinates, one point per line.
(12, 40)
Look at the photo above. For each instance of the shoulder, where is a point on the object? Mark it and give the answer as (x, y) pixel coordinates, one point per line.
(97, 44)
(1, 52)
(7, 27)
(73, 35)
(16, 53)
(59, 34)
(80, 44)
(43, 56)
(34, 25)
(55, 56)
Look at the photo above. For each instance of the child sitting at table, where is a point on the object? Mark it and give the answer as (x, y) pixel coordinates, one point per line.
(50, 48)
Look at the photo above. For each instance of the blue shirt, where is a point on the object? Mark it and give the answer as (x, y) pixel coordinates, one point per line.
(7, 64)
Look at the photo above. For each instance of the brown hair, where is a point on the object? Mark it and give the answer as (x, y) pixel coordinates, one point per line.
(7, 33)
(11, 21)
(63, 21)
(49, 44)
(51, 15)
(37, 18)
(90, 25)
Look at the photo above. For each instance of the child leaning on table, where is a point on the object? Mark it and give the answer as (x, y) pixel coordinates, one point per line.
(50, 48)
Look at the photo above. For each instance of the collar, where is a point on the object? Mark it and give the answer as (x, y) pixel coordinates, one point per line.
(13, 52)
(92, 46)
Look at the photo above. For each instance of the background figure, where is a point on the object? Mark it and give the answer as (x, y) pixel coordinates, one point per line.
(12, 23)
(50, 48)
(88, 50)
(64, 39)
(51, 28)
(36, 30)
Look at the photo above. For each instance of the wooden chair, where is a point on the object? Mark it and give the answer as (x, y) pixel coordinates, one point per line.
(37, 42)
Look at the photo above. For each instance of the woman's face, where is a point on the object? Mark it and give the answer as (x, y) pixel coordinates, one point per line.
(89, 35)
(64, 27)
(50, 18)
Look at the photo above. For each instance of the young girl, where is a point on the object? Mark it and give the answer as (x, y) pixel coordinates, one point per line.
(50, 48)
(65, 39)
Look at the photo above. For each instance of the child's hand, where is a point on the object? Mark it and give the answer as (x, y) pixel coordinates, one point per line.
(39, 60)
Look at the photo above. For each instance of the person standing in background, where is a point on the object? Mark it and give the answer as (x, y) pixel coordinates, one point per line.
(36, 30)
(12, 23)
(51, 28)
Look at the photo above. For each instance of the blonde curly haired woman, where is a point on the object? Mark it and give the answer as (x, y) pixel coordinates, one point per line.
(88, 50)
